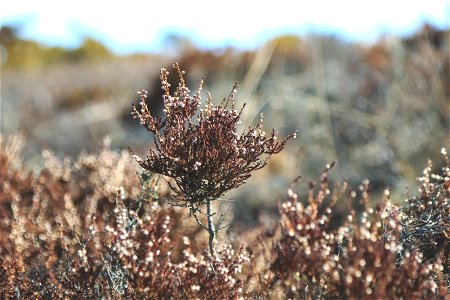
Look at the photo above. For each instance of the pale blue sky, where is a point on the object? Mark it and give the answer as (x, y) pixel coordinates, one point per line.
(128, 26)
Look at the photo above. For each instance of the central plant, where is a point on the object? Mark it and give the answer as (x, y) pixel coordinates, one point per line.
(200, 147)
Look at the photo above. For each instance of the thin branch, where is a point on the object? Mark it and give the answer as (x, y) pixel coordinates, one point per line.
(199, 222)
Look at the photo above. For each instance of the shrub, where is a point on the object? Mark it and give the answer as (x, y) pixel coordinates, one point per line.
(425, 220)
(65, 234)
(377, 254)
(203, 153)
(91, 228)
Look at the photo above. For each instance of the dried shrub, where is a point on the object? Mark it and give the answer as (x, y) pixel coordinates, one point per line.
(131, 246)
(201, 150)
(93, 228)
(66, 234)
(359, 259)
(48, 209)
(425, 221)
(136, 261)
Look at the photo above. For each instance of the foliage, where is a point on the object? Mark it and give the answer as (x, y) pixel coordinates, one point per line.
(91, 227)
(425, 220)
(88, 240)
(359, 259)
(203, 153)
(87, 229)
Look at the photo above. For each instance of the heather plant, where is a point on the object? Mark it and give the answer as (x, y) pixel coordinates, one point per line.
(425, 221)
(72, 231)
(87, 228)
(374, 254)
(200, 149)
(65, 240)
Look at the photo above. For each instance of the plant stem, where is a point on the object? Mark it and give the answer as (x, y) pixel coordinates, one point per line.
(211, 229)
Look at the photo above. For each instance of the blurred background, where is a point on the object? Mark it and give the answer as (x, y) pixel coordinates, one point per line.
(366, 83)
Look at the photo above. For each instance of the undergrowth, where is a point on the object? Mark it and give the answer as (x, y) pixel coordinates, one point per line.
(100, 227)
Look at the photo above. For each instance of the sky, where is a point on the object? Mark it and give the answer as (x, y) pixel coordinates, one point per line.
(142, 26)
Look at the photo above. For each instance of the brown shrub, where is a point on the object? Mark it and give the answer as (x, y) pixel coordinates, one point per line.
(365, 257)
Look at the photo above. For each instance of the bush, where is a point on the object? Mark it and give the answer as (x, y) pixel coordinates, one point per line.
(95, 228)
(201, 150)
(360, 259)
